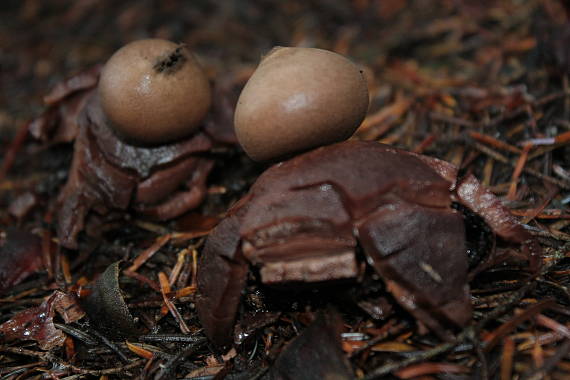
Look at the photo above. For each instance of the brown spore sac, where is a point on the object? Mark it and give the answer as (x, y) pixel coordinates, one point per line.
(298, 99)
(153, 92)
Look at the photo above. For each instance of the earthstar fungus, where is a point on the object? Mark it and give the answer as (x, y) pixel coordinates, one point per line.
(303, 219)
(160, 169)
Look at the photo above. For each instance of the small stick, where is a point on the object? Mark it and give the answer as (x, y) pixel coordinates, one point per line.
(494, 142)
(184, 236)
(550, 323)
(180, 259)
(164, 289)
(65, 268)
(430, 368)
(148, 253)
(539, 213)
(184, 292)
(110, 344)
(140, 351)
(172, 363)
(507, 359)
(142, 278)
(488, 171)
(171, 338)
(194, 283)
(78, 334)
(390, 328)
(422, 146)
(511, 195)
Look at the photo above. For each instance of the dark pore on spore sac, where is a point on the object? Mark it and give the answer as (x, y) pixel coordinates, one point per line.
(171, 63)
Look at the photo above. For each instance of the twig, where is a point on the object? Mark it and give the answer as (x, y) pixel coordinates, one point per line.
(148, 253)
(494, 142)
(507, 359)
(78, 334)
(520, 165)
(165, 289)
(172, 363)
(391, 330)
(52, 358)
(168, 338)
(110, 344)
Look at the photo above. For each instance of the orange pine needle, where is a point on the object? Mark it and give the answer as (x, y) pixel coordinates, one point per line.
(180, 259)
(393, 347)
(194, 268)
(184, 292)
(185, 236)
(69, 348)
(148, 253)
(538, 354)
(65, 269)
(517, 172)
(562, 138)
(142, 278)
(486, 139)
(422, 146)
(507, 359)
(550, 323)
(165, 289)
(544, 214)
(380, 122)
(546, 338)
(350, 345)
(137, 350)
(421, 369)
(164, 284)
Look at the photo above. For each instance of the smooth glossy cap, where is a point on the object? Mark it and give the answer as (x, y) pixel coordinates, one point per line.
(298, 99)
(153, 91)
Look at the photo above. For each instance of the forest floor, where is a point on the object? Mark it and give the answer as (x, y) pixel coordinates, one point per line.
(481, 84)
